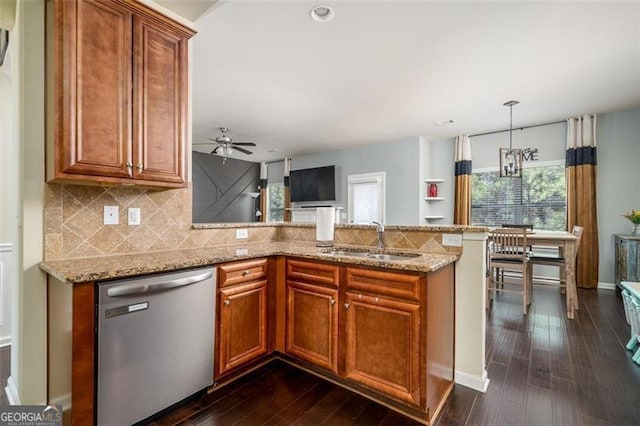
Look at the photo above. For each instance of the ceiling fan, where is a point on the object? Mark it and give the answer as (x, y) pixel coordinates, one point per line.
(226, 145)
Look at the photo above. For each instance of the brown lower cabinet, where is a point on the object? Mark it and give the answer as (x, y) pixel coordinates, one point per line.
(312, 324)
(242, 308)
(383, 345)
(387, 334)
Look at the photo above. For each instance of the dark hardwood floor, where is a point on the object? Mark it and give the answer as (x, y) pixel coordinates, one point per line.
(544, 370)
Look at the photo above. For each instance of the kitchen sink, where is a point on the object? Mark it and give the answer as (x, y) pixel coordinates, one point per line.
(388, 256)
(371, 255)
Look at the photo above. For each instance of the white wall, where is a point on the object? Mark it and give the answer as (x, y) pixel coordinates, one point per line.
(8, 192)
(618, 141)
(399, 159)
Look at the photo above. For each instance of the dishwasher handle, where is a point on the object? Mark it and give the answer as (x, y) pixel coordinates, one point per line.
(129, 289)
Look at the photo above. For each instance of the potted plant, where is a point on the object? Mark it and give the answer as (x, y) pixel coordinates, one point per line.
(634, 217)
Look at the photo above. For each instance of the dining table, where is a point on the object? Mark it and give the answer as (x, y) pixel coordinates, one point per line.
(566, 243)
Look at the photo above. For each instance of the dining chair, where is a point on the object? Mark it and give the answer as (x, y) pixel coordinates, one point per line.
(505, 253)
(541, 258)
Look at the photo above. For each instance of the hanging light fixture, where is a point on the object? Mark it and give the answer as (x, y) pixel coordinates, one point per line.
(511, 158)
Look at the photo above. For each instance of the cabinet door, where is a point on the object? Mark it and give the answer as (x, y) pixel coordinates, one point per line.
(382, 345)
(243, 324)
(160, 88)
(312, 324)
(92, 89)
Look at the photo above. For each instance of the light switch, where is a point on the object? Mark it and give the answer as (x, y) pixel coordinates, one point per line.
(111, 215)
(133, 216)
(242, 233)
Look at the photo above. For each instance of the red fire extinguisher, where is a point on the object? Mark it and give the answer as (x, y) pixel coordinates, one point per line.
(433, 190)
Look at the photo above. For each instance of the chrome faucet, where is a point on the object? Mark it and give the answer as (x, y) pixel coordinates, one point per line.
(380, 231)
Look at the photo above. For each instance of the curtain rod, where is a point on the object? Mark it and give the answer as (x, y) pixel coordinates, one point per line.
(518, 128)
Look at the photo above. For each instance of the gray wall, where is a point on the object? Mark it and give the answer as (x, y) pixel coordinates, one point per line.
(618, 140)
(399, 159)
(220, 191)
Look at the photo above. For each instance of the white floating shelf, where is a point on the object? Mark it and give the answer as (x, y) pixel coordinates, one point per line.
(433, 217)
(434, 198)
(434, 180)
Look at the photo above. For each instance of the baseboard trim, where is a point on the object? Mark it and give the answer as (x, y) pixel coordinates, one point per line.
(12, 392)
(479, 383)
(606, 286)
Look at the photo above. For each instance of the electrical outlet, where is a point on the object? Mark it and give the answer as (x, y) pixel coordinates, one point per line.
(133, 216)
(111, 215)
(242, 234)
(242, 252)
(454, 240)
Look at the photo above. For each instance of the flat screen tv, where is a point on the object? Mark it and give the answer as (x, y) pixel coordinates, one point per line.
(316, 184)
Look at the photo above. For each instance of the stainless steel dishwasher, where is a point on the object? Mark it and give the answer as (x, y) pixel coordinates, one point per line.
(155, 343)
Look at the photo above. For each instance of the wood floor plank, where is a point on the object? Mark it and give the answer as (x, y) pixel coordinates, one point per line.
(539, 369)
(564, 402)
(539, 406)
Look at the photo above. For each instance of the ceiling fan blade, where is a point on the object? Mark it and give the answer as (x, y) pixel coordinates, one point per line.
(202, 143)
(246, 151)
(215, 150)
(244, 143)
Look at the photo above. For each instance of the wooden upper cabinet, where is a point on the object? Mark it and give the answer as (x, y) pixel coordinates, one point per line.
(117, 94)
(160, 83)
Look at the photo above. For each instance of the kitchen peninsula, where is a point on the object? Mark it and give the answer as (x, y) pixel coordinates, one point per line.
(416, 294)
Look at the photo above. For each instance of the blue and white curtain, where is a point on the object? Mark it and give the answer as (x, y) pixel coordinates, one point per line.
(462, 206)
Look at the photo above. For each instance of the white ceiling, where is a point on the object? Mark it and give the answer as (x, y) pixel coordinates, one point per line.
(384, 70)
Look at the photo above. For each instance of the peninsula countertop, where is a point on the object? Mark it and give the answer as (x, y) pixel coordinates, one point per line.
(128, 265)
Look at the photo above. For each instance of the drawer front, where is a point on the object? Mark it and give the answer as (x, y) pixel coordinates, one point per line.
(388, 283)
(312, 272)
(242, 272)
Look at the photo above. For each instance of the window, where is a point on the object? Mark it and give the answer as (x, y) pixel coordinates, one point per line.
(539, 198)
(275, 202)
(366, 198)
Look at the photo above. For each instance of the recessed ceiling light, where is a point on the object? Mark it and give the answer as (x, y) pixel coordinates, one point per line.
(321, 13)
(442, 123)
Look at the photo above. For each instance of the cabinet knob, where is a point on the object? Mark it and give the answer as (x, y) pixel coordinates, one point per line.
(139, 166)
(332, 301)
(129, 164)
(227, 302)
(245, 273)
(346, 305)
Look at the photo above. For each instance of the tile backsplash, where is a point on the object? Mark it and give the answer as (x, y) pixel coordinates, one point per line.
(74, 227)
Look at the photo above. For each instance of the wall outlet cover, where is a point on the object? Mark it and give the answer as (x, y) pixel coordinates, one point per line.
(133, 214)
(242, 234)
(111, 215)
(454, 240)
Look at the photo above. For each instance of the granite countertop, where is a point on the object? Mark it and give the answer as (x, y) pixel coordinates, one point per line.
(121, 266)
(432, 228)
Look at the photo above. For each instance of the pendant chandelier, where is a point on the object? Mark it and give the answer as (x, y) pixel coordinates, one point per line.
(511, 158)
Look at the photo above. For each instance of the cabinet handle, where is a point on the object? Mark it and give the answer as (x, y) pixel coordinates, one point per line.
(332, 301)
(245, 273)
(227, 302)
(346, 305)
(139, 166)
(128, 164)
